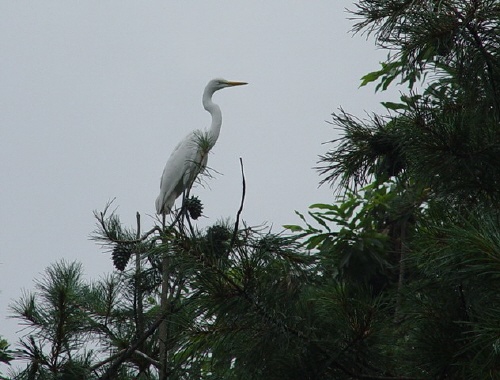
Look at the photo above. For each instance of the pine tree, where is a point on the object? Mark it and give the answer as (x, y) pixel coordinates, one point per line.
(439, 145)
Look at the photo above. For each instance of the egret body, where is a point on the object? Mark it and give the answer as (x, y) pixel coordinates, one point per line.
(190, 156)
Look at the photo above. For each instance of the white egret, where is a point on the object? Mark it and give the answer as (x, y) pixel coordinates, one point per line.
(190, 156)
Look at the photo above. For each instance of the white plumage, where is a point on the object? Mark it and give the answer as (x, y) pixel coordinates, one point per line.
(190, 156)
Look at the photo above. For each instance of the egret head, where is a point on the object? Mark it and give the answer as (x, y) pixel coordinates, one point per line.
(219, 83)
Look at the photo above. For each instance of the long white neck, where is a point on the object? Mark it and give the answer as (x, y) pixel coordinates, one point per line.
(214, 110)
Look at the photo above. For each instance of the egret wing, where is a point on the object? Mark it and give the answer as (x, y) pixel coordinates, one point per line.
(179, 172)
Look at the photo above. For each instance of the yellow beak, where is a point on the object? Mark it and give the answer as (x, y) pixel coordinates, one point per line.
(230, 83)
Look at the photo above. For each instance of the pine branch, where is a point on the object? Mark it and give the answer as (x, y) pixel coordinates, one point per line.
(101, 218)
(110, 373)
(261, 310)
(487, 58)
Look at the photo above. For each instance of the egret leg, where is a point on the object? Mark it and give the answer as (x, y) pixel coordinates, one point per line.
(185, 196)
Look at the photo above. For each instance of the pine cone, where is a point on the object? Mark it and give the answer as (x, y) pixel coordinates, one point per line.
(194, 207)
(217, 238)
(121, 255)
(218, 234)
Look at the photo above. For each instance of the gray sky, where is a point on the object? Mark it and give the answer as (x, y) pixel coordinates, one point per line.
(95, 94)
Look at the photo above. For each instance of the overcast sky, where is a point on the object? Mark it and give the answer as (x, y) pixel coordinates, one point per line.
(94, 95)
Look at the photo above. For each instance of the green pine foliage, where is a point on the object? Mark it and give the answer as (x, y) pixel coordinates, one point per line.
(6, 354)
(439, 146)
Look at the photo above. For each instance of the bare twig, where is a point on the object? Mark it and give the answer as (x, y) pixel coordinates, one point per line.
(107, 360)
(238, 214)
(138, 294)
(149, 359)
(163, 326)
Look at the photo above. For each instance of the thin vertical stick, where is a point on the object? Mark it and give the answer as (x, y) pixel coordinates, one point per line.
(138, 286)
(163, 329)
(238, 214)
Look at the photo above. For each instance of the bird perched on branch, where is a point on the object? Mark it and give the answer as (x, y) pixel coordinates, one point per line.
(190, 156)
